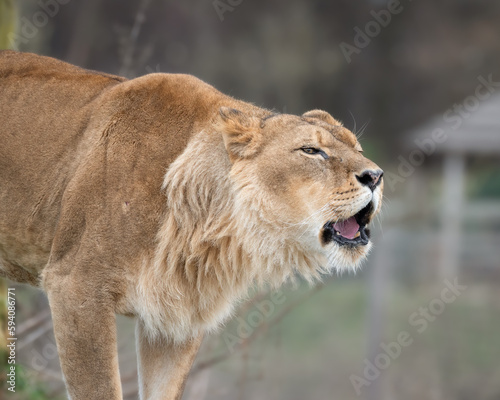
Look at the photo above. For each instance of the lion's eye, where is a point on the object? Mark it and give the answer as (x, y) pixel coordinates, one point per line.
(310, 150)
(314, 151)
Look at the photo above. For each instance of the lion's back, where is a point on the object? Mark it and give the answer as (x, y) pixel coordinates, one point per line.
(45, 105)
(56, 115)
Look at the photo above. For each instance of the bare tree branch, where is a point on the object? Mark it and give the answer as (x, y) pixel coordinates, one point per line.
(128, 55)
(46, 327)
(33, 322)
(284, 312)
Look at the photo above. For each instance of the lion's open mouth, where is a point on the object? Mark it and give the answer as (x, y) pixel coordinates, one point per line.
(349, 232)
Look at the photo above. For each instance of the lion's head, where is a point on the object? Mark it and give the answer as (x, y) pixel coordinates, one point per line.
(259, 197)
(308, 176)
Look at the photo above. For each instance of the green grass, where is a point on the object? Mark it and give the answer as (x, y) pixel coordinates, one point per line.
(326, 335)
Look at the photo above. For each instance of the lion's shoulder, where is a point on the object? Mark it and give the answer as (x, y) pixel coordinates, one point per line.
(174, 90)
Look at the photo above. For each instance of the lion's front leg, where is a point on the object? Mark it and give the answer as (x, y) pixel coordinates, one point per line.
(163, 365)
(85, 331)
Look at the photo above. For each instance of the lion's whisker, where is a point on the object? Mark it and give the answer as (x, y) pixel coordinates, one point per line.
(362, 129)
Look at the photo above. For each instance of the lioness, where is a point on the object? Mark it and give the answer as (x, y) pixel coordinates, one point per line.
(164, 199)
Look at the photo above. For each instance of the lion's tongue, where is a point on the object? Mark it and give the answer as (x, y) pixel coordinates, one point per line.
(347, 228)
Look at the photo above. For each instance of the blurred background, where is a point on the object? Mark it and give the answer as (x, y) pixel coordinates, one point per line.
(419, 81)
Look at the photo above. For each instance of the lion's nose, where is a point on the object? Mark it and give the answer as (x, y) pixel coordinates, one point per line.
(370, 178)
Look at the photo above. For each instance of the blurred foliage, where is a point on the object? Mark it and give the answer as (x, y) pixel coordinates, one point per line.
(286, 54)
(8, 22)
(27, 387)
(485, 182)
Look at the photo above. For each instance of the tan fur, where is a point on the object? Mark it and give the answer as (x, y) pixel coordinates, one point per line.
(164, 199)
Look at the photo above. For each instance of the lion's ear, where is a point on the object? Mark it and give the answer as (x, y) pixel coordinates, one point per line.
(323, 116)
(241, 133)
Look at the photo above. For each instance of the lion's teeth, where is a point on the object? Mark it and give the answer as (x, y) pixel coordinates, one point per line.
(357, 235)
